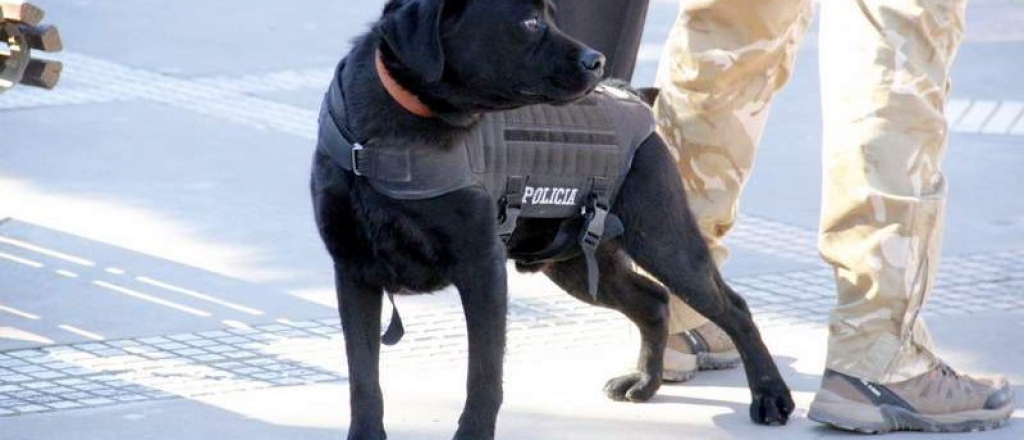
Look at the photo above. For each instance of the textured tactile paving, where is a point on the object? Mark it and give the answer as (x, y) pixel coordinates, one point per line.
(95, 80)
(281, 81)
(238, 359)
(294, 353)
(774, 238)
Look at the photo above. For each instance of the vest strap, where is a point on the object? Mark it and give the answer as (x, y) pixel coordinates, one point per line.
(511, 206)
(593, 229)
(345, 149)
(377, 164)
(395, 329)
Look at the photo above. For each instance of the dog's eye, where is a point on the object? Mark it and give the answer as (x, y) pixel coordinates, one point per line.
(534, 24)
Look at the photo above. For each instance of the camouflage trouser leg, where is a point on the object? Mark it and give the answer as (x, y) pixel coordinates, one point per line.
(884, 70)
(723, 63)
(884, 77)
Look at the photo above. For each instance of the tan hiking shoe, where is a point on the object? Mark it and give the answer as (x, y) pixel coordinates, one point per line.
(938, 401)
(704, 348)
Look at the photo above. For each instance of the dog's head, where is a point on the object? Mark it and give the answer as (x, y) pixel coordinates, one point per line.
(496, 54)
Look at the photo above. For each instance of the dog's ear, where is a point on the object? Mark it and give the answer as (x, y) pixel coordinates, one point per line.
(412, 29)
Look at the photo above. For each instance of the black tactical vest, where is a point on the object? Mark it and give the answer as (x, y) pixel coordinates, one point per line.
(539, 161)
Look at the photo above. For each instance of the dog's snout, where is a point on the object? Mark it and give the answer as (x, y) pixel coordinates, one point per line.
(592, 60)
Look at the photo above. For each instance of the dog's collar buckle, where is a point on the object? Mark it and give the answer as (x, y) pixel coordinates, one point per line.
(356, 148)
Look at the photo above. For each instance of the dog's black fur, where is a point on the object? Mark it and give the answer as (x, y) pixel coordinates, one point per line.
(462, 58)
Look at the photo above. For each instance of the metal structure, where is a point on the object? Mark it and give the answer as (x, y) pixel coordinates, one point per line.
(21, 31)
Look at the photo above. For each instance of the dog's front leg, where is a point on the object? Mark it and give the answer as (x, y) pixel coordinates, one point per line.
(483, 289)
(360, 307)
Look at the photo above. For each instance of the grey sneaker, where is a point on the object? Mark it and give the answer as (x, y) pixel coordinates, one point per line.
(704, 348)
(938, 401)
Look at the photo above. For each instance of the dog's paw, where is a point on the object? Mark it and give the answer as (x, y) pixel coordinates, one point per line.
(633, 387)
(367, 434)
(772, 405)
(473, 436)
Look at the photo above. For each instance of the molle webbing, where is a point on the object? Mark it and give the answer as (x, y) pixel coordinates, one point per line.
(557, 151)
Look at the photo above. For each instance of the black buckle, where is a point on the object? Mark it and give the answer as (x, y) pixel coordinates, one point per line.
(508, 217)
(594, 219)
(511, 206)
(356, 148)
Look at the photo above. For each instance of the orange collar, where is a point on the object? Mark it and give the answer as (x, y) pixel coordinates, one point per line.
(402, 96)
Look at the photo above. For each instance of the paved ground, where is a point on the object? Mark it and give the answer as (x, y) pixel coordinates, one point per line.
(161, 277)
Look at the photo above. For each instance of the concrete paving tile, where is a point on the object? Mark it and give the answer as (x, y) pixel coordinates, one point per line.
(244, 291)
(222, 38)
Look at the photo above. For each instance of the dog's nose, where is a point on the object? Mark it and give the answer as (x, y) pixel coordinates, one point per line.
(592, 60)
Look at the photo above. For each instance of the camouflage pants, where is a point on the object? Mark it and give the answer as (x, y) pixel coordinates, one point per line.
(884, 74)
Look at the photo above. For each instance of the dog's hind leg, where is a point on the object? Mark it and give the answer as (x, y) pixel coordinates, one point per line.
(662, 236)
(642, 301)
(360, 308)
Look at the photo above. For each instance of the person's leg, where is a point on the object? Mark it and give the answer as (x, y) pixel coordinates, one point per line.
(722, 65)
(884, 69)
(613, 27)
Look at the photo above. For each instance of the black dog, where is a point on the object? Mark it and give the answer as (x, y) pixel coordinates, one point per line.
(459, 59)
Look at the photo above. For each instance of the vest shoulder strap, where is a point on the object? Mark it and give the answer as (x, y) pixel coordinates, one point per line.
(400, 173)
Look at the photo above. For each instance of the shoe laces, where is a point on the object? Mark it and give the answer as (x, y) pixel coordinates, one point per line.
(954, 382)
(946, 371)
